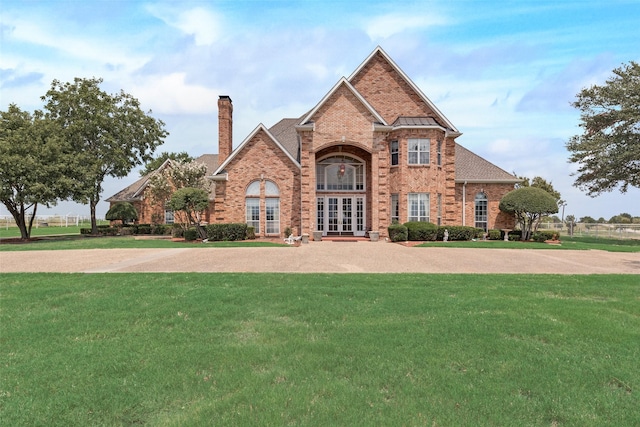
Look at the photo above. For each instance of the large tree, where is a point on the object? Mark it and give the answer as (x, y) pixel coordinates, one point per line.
(33, 165)
(608, 150)
(109, 133)
(528, 204)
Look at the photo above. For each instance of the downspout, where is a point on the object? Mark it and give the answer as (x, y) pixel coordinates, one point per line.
(464, 203)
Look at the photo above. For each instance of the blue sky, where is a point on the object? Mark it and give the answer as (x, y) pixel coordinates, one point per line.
(504, 72)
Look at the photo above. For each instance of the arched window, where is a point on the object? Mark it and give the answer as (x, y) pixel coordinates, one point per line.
(481, 211)
(252, 204)
(256, 209)
(340, 173)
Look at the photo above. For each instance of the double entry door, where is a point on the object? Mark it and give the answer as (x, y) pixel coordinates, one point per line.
(341, 215)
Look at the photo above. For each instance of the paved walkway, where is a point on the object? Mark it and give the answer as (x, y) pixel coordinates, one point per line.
(323, 257)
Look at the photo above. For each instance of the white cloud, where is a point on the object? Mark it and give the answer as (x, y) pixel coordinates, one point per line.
(204, 25)
(170, 94)
(385, 26)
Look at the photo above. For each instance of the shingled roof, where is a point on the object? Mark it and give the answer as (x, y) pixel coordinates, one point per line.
(472, 168)
(285, 132)
(135, 191)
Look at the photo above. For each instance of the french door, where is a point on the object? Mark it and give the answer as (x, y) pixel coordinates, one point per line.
(338, 215)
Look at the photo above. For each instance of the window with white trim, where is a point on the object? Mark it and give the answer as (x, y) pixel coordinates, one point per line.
(395, 208)
(395, 154)
(439, 153)
(340, 173)
(253, 213)
(418, 151)
(259, 197)
(418, 207)
(481, 211)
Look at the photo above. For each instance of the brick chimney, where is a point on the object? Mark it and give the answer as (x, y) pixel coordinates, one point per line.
(225, 128)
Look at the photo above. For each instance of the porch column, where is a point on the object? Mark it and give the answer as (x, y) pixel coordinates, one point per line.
(307, 191)
(376, 202)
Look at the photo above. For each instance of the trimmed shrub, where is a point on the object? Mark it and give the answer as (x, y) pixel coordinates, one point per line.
(459, 232)
(226, 232)
(397, 233)
(542, 236)
(515, 235)
(251, 233)
(102, 231)
(177, 231)
(495, 235)
(421, 231)
(143, 229)
(190, 234)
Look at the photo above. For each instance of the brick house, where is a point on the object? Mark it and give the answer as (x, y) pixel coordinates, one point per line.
(373, 150)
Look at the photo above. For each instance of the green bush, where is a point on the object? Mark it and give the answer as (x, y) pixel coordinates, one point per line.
(190, 234)
(542, 236)
(397, 233)
(226, 232)
(515, 235)
(251, 233)
(143, 229)
(496, 235)
(459, 232)
(103, 230)
(177, 231)
(421, 231)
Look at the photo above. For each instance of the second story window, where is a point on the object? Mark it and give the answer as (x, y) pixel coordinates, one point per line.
(418, 152)
(394, 153)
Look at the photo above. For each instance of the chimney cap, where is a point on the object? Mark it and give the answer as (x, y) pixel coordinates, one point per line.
(225, 97)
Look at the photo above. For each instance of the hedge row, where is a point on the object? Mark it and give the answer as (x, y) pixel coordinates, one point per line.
(131, 229)
(222, 232)
(426, 231)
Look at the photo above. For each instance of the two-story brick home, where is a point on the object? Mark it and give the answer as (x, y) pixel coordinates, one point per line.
(375, 149)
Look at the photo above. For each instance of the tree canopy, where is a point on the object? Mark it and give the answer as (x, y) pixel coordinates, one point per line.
(539, 182)
(156, 162)
(33, 165)
(109, 134)
(608, 150)
(528, 204)
(122, 211)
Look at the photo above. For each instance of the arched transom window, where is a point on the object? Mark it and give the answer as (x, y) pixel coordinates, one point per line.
(263, 210)
(340, 173)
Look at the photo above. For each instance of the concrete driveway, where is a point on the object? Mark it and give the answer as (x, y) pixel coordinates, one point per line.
(323, 257)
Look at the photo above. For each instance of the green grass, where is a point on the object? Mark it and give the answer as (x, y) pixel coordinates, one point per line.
(574, 243)
(120, 242)
(13, 232)
(352, 350)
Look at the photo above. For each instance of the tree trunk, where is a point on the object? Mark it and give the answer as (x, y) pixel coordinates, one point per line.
(92, 207)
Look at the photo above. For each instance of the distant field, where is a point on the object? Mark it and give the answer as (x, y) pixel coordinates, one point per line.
(321, 349)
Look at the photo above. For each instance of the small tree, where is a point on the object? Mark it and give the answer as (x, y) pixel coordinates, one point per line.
(122, 211)
(174, 176)
(190, 202)
(528, 204)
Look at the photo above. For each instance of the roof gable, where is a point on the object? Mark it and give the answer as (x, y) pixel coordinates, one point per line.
(343, 83)
(394, 79)
(240, 148)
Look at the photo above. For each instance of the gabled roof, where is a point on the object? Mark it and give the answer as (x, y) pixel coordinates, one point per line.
(349, 86)
(239, 149)
(423, 97)
(135, 191)
(472, 168)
